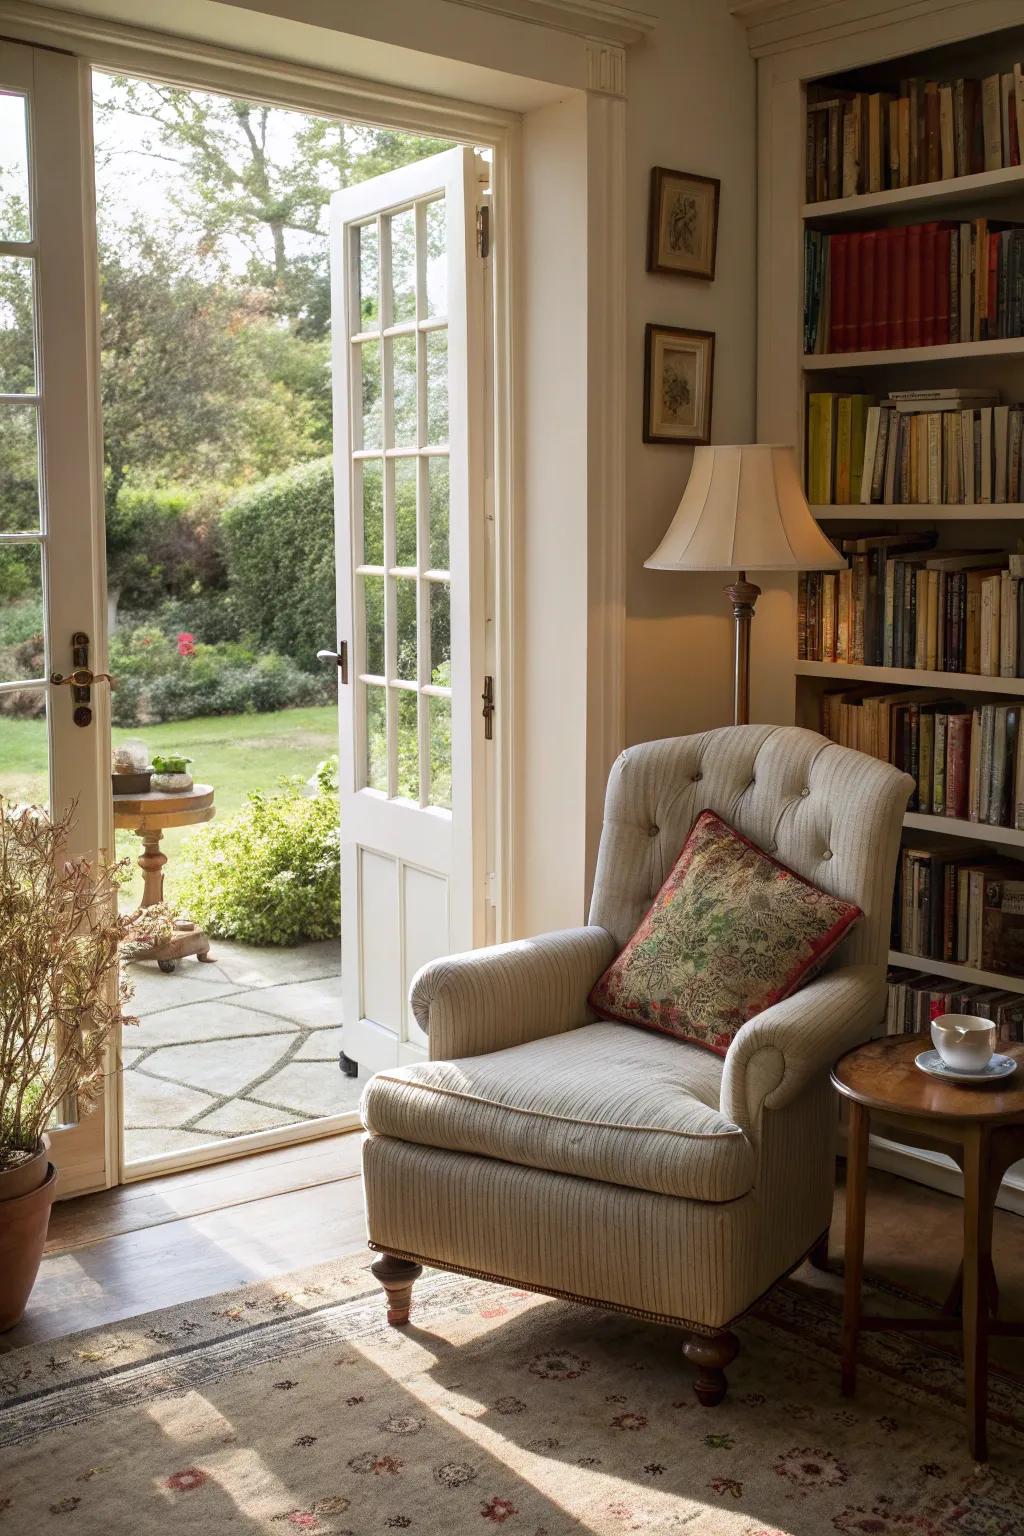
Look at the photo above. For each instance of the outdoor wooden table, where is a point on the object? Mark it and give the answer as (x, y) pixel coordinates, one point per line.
(149, 816)
(982, 1129)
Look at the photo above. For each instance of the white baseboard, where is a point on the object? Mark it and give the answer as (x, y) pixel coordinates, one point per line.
(940, 1172)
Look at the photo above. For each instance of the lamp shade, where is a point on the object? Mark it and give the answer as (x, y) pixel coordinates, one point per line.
(744, 510)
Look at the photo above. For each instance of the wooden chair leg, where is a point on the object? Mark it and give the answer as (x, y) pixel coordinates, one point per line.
(710, 1354)
(397, 1276)
(818, 1255)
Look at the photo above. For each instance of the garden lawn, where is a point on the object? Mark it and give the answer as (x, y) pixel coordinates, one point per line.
(234, 753)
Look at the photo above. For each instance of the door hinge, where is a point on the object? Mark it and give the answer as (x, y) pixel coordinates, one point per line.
(488, 709)
(483, 231)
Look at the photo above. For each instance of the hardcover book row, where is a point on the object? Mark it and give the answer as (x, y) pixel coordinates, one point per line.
(930, 130)
(937, 446)
(967, 763)
(960, 908)
(915, 1000)
(900, 603)
(913, 285)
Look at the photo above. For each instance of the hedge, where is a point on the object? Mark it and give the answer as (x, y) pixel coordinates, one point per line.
(279, 547)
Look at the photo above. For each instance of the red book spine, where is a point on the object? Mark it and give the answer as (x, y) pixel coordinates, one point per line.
(869, 245)
(958, 744)
(898, 288)
(913, 326)
(838, 250)
(942, 294)
(928, 296)
(852, 306)
(882, 279)
(993, 287)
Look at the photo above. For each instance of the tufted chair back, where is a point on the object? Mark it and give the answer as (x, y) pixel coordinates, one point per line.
(831, 814)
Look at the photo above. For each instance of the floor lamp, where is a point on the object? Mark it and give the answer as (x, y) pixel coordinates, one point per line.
(743, 510)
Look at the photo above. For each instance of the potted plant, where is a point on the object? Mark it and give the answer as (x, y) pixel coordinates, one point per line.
(170, 771)
(61, 997)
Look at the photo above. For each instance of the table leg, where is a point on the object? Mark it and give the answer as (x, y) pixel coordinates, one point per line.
(977, 1270)
(853, 1258)
(151, 862)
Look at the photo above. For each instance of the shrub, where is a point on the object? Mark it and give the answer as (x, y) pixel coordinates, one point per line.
(164, 678)
(279, 548)
(164, 542)
(271, 873)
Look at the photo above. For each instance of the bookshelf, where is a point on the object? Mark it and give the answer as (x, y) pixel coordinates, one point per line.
(871, 58)
(987, 187)
(918, 512)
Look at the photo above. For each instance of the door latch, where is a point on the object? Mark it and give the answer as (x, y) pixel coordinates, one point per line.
(488, 709)
(339, 657)
(80, 679)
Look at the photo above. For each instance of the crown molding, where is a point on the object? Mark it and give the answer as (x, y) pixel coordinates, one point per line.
(602, 20)
(776, 26)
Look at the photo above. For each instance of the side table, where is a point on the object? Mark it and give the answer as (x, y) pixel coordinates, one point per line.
(149, 816)
(982, 1129)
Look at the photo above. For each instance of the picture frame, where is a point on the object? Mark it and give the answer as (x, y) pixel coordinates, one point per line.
(682, 223)
(678, 381)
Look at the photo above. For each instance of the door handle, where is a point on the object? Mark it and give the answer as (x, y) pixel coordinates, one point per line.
(80, 679)
(339, 657)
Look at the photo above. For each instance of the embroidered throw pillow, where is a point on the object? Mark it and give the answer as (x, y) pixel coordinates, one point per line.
(730, 932)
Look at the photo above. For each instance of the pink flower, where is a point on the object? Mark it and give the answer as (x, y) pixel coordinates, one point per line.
(498, 1510)
(186, 644)
(187, 1479)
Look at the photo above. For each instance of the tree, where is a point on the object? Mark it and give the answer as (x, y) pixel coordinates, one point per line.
(256, 177)
(197, 381)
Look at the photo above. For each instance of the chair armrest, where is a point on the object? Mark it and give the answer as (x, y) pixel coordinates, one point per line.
(508, 994)
(780, 1051)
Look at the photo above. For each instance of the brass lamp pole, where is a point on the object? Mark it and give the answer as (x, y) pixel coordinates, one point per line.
(743, 510)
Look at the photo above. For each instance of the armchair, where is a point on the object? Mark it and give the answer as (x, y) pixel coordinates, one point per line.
(591, 1160)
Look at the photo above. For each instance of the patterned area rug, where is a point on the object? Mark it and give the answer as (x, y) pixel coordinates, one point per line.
(290, 1407)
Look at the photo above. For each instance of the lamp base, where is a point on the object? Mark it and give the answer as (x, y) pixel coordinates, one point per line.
(742, 595)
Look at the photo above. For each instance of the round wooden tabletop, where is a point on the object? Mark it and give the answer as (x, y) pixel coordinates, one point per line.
(161, 809)
(882, 1076)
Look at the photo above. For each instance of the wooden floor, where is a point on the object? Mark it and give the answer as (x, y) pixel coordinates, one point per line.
(170, 1240)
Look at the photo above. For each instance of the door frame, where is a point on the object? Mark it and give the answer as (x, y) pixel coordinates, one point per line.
(197, 67)
(601, 85)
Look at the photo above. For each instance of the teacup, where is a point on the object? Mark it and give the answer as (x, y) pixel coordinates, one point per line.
(964, 1042)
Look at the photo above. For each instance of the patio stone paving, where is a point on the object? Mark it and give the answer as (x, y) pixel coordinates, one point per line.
(246, 1044)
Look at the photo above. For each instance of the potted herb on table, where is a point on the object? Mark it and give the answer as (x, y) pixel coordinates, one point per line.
(61, 998)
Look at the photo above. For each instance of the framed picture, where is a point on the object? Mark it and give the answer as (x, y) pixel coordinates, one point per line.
(678, 374)
(682, 223)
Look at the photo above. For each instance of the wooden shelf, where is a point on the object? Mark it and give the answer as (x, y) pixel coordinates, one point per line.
(912, 677)
(965, 973)
(990, 185)
(922, 512)
(1007, 346)
(951, 826)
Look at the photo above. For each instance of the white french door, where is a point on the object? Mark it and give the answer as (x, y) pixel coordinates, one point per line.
(409, 304)
(51, 524)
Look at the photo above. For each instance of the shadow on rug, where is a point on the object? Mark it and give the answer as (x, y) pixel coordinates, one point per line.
(290, 1406)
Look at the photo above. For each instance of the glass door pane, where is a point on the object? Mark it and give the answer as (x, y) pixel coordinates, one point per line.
(400, 274)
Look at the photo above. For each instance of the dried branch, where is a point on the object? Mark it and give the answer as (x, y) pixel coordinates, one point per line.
(62, 994)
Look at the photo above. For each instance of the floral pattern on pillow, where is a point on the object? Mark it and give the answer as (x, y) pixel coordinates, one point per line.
(730, 932)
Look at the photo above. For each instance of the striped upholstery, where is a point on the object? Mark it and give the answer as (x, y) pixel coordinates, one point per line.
(517, 1151)
(604, 1102)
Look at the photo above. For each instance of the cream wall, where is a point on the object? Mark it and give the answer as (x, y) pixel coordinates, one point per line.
(691, 106)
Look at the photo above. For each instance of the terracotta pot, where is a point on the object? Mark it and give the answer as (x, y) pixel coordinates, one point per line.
(23, 1224)
(28, 1175)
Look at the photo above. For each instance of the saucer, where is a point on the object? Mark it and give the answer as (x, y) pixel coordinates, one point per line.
(998, 1067)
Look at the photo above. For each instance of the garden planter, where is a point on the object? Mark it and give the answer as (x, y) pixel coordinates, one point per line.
(24, 1219)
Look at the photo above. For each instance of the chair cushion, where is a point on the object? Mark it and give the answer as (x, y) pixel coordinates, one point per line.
(602, 1101)
(731, 932)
